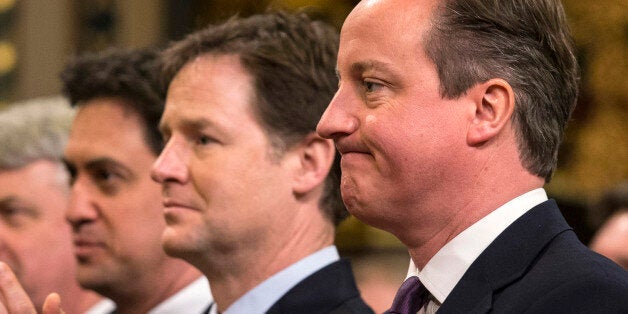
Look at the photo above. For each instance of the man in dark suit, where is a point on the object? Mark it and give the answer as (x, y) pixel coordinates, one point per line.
(250, 190)
(448, 117)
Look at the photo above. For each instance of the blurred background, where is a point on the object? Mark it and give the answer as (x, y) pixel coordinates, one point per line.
(38, 36)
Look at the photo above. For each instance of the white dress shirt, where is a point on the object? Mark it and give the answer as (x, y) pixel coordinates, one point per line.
(261, 298)
(443, 271)
(194, 298)
(105, 306)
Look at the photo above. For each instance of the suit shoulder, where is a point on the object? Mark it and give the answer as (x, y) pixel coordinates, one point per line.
(605, 291)
(332, 289)
(568, 277)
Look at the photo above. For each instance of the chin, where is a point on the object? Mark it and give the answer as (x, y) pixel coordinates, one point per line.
(176, 244)
(89, 277)
(374, 217)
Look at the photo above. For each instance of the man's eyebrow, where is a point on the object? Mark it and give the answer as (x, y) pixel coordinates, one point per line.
(196, 124)
(382, 70)
(363, 66)
(97, 164)
(104, 162)
(6, 201)
(25, 205)
(191, 124)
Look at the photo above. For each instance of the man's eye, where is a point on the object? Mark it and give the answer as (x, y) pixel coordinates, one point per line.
(104, 175)
(204, 140)
(370, 86)
(15, 215)
(108, 181)
(8, 211)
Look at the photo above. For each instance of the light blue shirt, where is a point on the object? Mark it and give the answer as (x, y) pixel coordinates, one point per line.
(195, 298)
(267, 293)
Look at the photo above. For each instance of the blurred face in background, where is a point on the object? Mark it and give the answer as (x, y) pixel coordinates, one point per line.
(115, 208)
(35, 239)
(611, 240)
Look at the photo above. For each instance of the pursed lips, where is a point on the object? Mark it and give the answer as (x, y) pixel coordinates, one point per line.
(346, 146)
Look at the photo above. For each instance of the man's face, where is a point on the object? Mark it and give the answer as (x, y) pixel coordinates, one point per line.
(399, 140)
(226, 191)
(35, 239)
(611, 240)
(115, 208)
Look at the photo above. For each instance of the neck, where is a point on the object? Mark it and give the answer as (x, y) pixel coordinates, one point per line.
(234, 275)
(165, 285)
(497, 180)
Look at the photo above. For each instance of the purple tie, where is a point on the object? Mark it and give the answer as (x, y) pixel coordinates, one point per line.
(410, 297)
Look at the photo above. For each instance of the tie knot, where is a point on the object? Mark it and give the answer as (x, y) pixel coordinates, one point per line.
(410, 297)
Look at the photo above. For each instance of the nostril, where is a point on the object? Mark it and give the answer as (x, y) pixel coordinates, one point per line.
(77, 224)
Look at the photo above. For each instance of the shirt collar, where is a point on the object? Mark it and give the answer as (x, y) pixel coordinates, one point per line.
(441, 274)
(104, 306)
(194, 298)
(267, 293)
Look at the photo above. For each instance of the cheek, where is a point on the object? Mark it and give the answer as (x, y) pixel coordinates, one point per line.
(203, 183)
(133, 219)
(37, 249)
(393, 144)
(12, 250)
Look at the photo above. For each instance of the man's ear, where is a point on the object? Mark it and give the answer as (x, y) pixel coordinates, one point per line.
(494, 105)
(316, 156)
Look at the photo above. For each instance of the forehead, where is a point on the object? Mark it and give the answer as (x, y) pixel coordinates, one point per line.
(104, 127)
(215, 88)
(41, 173)
(40, 184)
(386, 27)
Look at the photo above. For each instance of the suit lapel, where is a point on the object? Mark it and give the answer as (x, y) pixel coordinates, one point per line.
(506, 259)
(321, 292)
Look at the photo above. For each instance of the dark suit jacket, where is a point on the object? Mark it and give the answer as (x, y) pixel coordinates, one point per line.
(329, 290)
(538, 265)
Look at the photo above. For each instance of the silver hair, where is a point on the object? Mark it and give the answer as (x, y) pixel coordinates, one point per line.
(34, 129)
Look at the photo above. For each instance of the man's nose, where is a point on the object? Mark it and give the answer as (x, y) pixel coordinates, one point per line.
(171, 164)
(337, 120)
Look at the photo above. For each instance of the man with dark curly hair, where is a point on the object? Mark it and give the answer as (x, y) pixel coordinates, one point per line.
(115, 209)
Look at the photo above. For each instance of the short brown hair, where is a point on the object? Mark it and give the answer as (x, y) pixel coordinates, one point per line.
(528, 44)
(292, 60)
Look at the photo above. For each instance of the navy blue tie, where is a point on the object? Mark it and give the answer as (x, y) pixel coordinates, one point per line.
(410, 297)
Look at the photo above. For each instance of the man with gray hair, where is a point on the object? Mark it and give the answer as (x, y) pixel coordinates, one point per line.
(35, 239)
